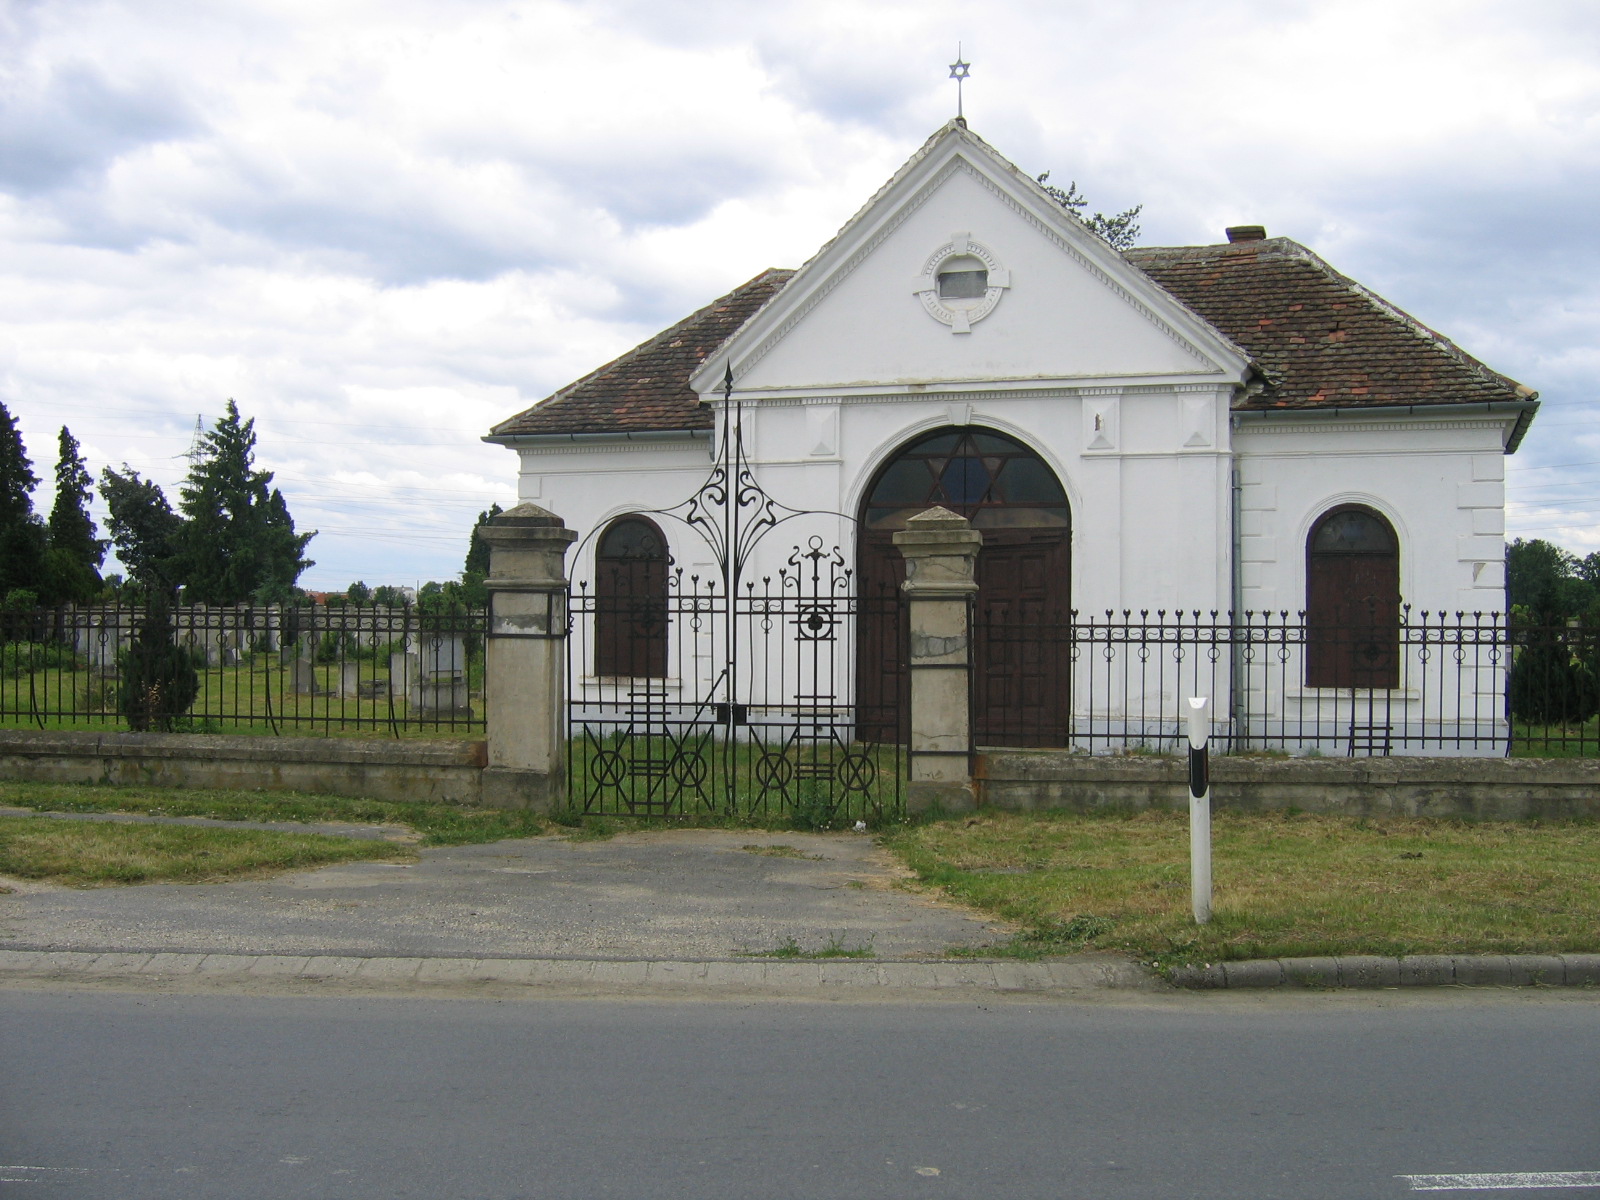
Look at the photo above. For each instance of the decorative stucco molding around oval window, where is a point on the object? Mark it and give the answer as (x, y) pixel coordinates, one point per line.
(961, 313)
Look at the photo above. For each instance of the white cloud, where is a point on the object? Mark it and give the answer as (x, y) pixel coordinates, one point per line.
(382, 226)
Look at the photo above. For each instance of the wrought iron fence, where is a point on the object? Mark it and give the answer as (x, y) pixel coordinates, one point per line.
(1430, 683)
(269, 670)
(684, 701)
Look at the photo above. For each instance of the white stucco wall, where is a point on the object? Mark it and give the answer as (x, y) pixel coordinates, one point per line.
(1150, 514)
(1439, 481)
(1059, 317)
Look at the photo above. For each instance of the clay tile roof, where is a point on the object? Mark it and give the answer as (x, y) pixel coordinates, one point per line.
(647, 389)
(1320, 338)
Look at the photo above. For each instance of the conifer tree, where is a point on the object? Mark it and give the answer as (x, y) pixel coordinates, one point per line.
(477, 548)
(1121, 229)
(159, 678)
(238, 540)
(22, 535)
(75, 554)
(143, 528)
(477, 566)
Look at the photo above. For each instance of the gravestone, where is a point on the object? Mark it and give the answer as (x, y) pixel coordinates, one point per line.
(439, 686)
(305, 678)
(404, 666)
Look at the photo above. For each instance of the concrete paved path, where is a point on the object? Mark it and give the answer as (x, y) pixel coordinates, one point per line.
(678, 895)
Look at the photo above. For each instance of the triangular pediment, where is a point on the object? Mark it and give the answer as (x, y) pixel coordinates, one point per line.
(1052, 301)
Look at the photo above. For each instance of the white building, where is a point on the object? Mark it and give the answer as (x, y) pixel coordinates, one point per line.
(1221, 428)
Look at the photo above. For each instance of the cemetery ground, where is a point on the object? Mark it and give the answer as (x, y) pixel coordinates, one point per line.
(337, 685)
(1054, 884)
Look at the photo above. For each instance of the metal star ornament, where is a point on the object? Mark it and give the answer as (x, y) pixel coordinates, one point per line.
(959, 71)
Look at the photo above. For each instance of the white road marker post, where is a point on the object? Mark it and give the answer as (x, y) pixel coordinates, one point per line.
(1199, 811)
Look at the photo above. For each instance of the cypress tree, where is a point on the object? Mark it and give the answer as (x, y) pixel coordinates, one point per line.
(23, 580)
(75, 554)
(477, 565)
(477, 548)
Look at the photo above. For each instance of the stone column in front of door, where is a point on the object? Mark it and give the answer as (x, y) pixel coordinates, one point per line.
(941, 553)
(525, 659)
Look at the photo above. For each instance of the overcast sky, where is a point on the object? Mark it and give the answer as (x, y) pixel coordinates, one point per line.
(382, 226)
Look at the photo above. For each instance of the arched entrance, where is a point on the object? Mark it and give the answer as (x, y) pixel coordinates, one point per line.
(1024, 578)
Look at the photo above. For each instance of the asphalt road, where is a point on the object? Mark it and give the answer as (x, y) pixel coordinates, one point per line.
(132, 1094)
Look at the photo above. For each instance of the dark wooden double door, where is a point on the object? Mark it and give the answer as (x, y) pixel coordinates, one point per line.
(1021, 690)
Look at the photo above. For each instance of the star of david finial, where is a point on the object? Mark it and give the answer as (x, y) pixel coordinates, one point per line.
(959, 71)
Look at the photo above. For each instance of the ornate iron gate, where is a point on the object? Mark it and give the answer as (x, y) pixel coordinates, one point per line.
(719, 694)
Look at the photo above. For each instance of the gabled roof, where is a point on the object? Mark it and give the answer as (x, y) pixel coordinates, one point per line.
(1316, 338)
(647, 389)
(1319, 338)
(952, 151)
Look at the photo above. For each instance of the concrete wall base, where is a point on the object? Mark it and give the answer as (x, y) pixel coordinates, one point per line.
(446, 772)
(509, 787)
(925, 797)
(1499, 789)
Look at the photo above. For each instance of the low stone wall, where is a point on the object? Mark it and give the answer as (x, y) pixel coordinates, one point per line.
(1480, 788)
(410, 770)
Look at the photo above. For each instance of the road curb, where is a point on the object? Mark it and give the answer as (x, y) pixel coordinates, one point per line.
(751, 975)
(1090, 973)
(1410, 970)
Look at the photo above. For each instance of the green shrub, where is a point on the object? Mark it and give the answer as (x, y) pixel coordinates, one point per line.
(159, 677)
(328, 647)
(1552, 686)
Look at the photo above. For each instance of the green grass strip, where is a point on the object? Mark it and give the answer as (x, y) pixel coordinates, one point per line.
(438, 824)
(98, 853)
(1286, 885)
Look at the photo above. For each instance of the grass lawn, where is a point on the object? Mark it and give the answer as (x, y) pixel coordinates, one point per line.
(1285, 885)
(1556, 741)
(438, 824)
(91, 853)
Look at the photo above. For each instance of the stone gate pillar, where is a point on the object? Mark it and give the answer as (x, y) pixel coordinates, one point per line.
(941, 553)
(525, 659)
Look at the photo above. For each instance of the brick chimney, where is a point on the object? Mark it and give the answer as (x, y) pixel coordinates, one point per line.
(1247, 233)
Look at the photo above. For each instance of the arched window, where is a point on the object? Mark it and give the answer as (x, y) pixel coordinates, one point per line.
(1352, 601)
(994, 481)
(630, 597)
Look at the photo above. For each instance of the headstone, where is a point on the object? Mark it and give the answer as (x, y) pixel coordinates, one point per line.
(446, 698)
(305, 678)
(442, 654)
(404, 667)
(100, 644)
